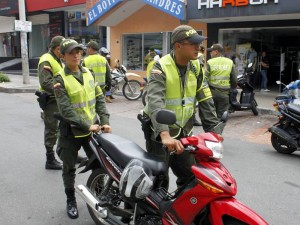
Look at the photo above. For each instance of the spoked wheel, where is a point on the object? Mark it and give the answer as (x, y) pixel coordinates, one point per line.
(280, 146)
(254, 107)
(96, 184)
(132, 90)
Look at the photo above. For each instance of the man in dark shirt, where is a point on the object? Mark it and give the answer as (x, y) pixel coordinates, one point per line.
(264, 71)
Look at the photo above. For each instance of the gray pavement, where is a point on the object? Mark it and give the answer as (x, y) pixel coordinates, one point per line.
(264, 99)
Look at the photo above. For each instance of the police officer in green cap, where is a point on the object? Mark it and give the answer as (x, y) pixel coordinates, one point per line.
(49, 65)
(221, 76)
(175, 83)
(80, 101)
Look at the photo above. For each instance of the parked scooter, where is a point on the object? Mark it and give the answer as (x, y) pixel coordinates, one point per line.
(285, 137)
(123, 174)
(132, 89)
(247, 99)
(289, 93)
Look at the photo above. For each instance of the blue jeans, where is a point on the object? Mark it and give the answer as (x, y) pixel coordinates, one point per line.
(264, 79)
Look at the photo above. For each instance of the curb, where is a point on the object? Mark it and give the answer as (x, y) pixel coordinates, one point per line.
(265, 111)
(18, 90)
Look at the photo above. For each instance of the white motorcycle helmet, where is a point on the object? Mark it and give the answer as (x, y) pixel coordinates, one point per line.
(135, 183)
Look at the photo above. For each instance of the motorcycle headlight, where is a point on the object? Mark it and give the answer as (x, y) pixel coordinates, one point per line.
(216, 148)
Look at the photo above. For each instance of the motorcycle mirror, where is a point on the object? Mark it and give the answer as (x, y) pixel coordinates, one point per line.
(278, 82)
(166, 117)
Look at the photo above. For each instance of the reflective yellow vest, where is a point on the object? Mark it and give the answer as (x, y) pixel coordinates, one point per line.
(220, 69)
(181, 102)
(55, 66)
(83, 98)
(97, 64)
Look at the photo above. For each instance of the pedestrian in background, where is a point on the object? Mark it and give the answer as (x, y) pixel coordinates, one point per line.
(264, 66)
(251, 57)
(49, 64)
(99, 65)
(176, 81)
(79, 101)
(221, 76)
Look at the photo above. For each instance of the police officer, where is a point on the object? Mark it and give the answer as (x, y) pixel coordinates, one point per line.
(221, 76)
(99, 65)
(79, 100)
(49, 65)
(176, 81)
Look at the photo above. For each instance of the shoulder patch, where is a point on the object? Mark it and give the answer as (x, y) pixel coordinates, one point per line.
(158, 72)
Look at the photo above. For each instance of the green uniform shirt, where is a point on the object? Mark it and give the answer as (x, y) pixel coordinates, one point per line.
(66, 109)
(157, 100)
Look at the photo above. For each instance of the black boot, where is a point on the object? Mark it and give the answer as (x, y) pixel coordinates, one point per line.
(72, 210)
(52, 163)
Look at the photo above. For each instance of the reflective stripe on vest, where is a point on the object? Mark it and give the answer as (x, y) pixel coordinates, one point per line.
(82, 98)
(55, 66)
(97, 64)
(220, 69)
(182, 106)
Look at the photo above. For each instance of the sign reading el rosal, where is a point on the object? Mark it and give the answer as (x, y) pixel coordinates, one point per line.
(172, 7)
(98, 10)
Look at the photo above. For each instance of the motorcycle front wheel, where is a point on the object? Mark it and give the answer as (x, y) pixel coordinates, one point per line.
(96, 183)
(281, 147)
(132, 90)
(144, 98)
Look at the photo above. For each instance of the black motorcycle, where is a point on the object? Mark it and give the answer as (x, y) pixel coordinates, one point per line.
(285, 136)
(247, 99)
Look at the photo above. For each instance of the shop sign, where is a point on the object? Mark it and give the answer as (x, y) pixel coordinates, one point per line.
(237, 3)
(98, 10)
(25, 26)
(173, 7)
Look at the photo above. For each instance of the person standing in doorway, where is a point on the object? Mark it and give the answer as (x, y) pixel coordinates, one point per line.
(221, 76)
(99, 65)
(264, 71)
(252, 58)
(80, 102)
(50, 64)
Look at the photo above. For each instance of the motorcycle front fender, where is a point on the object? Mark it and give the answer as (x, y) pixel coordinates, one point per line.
(233, 208)
(132, 74)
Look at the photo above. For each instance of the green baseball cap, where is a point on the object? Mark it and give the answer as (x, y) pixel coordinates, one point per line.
(94, 45)
(55, 41)
(185, 32)
(68, 45)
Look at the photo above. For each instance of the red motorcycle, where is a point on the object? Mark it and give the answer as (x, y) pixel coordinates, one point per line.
(125, 185)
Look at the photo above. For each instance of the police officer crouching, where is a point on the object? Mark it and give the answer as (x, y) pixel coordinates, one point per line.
(80, 100)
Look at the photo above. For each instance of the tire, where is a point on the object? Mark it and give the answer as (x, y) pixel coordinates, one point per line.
(95, 183)
(132, 90)
(232, 221)
(144, 98)
(281, 147)
(254, 107)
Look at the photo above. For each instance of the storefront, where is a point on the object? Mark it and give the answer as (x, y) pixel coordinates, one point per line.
(137, 27)
(266, 25)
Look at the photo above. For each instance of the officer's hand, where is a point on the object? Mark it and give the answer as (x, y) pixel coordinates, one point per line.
(95, 128)
(106, 128)
(171, 143)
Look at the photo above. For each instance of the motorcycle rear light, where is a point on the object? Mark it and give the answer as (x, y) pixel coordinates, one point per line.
(210, 187)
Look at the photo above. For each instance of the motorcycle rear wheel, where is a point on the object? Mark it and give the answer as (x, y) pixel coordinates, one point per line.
(280, 146)
(254, 107)
(132, 90)
(96, 183)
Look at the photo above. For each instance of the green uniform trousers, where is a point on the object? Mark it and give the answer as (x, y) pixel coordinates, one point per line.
(68, 152)
(51, 124)
(221, 101)
(180, 164)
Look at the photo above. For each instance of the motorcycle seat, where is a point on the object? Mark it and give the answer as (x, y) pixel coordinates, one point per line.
(294, 109)
(122, 150)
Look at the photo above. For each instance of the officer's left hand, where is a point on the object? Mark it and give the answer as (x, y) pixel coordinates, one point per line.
(106, 128)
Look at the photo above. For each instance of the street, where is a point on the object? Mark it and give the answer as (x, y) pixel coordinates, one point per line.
(268, 182)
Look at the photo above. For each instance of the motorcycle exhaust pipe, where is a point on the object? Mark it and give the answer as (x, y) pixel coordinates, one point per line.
(91, 200)
(284, 136)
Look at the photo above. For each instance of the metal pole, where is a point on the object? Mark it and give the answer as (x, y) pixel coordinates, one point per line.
(24, 46)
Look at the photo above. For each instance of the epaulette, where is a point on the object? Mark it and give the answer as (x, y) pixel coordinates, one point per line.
(158, 72)
(48, 68)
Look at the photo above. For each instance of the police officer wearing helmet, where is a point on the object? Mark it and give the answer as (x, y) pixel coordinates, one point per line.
(221, 75)
(99, 65)
(80, 100)
(175, 83)
(50, 64)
